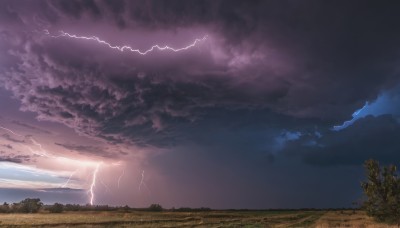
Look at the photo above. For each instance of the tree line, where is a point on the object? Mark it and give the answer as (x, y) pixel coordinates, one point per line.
(34, 205)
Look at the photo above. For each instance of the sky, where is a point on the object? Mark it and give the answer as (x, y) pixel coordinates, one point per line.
(220, 104)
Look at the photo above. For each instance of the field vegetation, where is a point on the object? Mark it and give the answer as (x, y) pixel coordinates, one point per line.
(211, 218)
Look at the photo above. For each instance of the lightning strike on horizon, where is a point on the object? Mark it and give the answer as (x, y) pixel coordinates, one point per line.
(94, 177)
(43, 153)
(93, 183)
(126, 47)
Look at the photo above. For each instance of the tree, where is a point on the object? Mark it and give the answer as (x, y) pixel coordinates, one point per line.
(383, 192)
(56, 208)
(29, 205)
(5, 208)
(126, 208)
(155, 207)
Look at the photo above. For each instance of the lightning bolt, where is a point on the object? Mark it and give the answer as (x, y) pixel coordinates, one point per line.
(12, 132)
(126, 47)
(143, 184)
(91, 191)
(29, 148)
(37, 144)
(120, 177)
(69, 179)
(105, 186)
(142, 181)
(41, 152)
(94, 176)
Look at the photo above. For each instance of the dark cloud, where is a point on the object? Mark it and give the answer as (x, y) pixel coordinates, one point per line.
(8, 146)
(28, 126)
(11, 139)
(368, 138)
(85, 149)
(76, 8)
(14, 158)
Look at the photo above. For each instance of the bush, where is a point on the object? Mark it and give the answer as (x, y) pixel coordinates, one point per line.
(5, 208)
(383, 192)
(155, 207)
(27, 205)
(72, 207)
(56, 208)
(126, 208)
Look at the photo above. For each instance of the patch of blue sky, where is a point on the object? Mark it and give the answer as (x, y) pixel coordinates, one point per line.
(16, 173)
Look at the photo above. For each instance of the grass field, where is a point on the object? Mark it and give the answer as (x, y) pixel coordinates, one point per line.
(193, 219)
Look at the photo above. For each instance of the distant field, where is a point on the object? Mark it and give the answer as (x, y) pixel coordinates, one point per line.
(193, 219)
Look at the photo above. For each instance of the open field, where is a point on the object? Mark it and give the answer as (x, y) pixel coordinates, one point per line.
(193, 219)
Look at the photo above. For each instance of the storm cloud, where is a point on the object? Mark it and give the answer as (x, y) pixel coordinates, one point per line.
(265, 87)
(292, 59)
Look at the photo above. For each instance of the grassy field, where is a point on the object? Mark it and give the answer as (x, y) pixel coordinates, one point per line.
(193, 219)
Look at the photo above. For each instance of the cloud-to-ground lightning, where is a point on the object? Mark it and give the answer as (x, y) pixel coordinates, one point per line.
(43, 153)
(127, 47)
(91, 191)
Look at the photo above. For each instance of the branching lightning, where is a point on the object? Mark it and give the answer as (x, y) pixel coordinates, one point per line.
(41, 152)
(126, 47)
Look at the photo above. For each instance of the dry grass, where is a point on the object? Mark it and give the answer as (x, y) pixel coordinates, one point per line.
(191, 219)
(339, 219)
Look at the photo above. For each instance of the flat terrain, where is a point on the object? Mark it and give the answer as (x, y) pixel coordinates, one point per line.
(193, 219)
